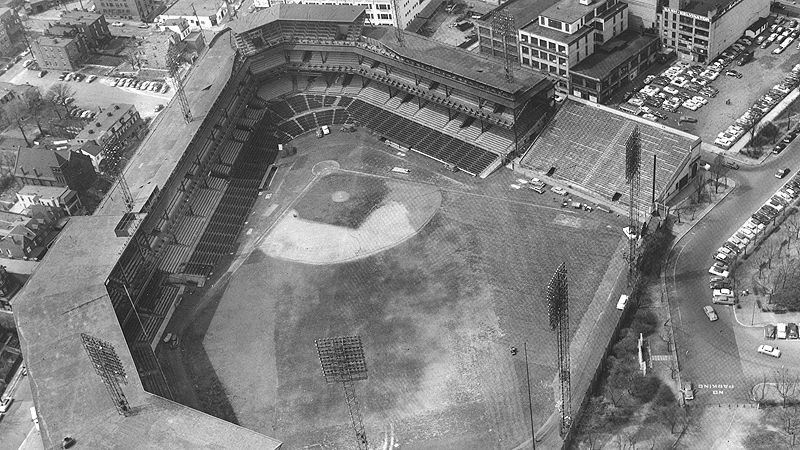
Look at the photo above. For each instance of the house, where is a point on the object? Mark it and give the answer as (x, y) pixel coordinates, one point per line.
(93, 151)
(37, 166)
(179, 26)
(113, 129)
(53, 196)
(27, 236)
(158, 49)
(200, 14)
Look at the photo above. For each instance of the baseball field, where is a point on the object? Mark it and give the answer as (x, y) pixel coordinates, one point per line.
(439, 273)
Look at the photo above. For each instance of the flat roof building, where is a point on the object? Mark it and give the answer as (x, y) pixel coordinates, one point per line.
(127, 9)
(700, 30)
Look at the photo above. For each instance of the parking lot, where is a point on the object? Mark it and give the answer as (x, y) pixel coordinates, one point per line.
(735, 95)
(92, 95)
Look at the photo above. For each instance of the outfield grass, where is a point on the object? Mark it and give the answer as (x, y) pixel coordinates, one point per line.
(436, 313)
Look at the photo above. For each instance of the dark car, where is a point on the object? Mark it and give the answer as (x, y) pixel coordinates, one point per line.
(42, 73)
(782, 172)
(731, 165)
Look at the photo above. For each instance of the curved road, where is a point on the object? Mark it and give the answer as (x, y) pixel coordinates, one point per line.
(718, 357)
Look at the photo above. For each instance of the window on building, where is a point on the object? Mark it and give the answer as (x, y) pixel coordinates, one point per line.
(555, 24)
(523, 37)
(551, 45)
(562, 61)
(525, 50)
(562, 72)
(552, 57)
(535, 64)
(552, 69)
(562, 49)
(701, 23)
(526, 61)
(382, 6)
(534, 41)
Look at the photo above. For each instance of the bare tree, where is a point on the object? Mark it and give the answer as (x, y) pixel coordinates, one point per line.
(16, 111)
(768, 250)
(718, 170)
(792, 224)
(757, 389)
(58, 93)
(785, 384)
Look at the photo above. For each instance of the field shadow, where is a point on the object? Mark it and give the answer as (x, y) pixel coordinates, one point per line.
(209, 390)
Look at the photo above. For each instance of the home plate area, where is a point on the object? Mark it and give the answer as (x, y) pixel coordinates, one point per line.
(347, 216)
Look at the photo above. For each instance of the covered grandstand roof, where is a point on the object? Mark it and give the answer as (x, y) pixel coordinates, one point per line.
(296, 11)
(66, 296)
(616, 51)
(457, 61)
(584, 145)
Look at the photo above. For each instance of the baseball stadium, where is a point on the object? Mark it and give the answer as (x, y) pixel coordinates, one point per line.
(326, 178)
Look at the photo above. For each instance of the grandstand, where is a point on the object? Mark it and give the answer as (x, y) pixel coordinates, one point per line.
(420, 94)
(118, 275)
(584, 145)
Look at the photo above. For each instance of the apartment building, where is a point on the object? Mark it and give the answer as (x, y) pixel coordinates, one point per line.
(701, 30)
(127, 9)
(379, 12)
(60, 52)
(93, 27)
(114, 128)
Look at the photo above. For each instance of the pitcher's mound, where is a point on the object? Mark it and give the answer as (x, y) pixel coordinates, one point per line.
(340, 196)
(404, 210)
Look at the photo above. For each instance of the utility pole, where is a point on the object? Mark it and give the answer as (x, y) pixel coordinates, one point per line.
(530, 402)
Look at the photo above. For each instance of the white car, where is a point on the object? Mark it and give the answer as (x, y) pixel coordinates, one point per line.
(722, 292)
(725, 250)
(710, 313)
(91, 78)
(720, 273)
(558, 190)
(117, 24)
(769, 350)
(5, 404)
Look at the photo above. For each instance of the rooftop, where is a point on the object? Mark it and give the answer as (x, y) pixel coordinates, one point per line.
(105, 119)
(569, 11)
(703, 7)
(54, 41)
(83, 17)
(616, 51)
(455, 60)
(43, 191)
(203, 8)
(66, 296)
(524, 11)
(300, 12)
(37, 162)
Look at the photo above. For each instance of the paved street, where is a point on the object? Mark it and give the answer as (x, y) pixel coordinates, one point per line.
(16, 424)
(719, 356)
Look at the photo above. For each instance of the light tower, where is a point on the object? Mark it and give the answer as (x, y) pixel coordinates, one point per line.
(503, 25)
(558, 314)
(173, 64)
(108, 366)
(633, 155)
(342, 360)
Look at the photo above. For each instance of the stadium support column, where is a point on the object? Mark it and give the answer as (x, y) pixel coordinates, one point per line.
(503, 25)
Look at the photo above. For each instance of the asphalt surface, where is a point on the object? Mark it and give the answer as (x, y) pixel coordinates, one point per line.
(718, 357)
(16, 425)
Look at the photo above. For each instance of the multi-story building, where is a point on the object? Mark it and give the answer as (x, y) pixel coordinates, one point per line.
(38, 166)
(199, 14)
(115, 128)
(379, 12)
(53, 196)
(612, 65)
(567, 33)
(699, 31)
(127, 9)
(93, 27)
(521, 12)
(60, 52)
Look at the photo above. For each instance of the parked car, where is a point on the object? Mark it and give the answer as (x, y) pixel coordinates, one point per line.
(782, 331)
(778, 148)
(5, 404)
(731, 165)
(733, 73)
(782, 172)
(117, 24)
(710, 313)
(769, 331)
(791, 331)
(42, 73)
(769, 350)
(688, 390)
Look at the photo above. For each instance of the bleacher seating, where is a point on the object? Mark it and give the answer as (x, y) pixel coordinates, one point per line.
(275, 88)
(467, 157)
(298, 103)
(266, 61)
(149, 371)
(496, 139)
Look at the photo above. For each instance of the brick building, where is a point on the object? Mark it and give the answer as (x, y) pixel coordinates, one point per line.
(127, 9)
(114, 128)
(60, 53)
(93, 27)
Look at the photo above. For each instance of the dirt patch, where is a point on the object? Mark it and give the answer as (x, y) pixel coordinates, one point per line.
(384, 220)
